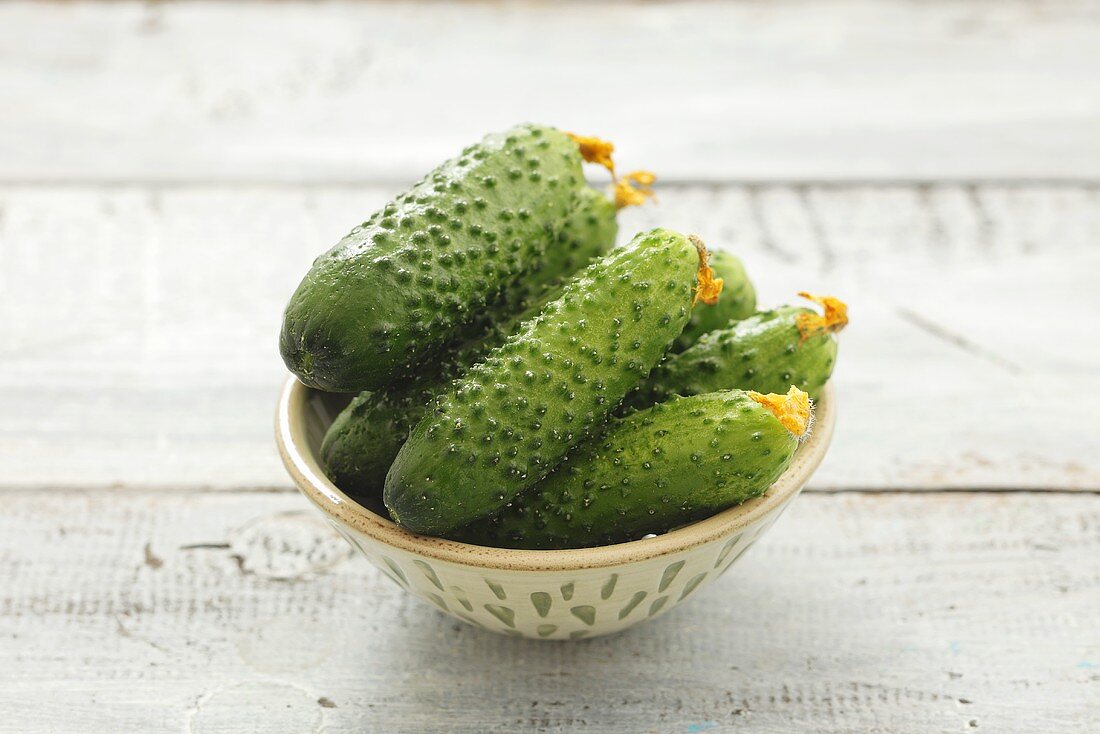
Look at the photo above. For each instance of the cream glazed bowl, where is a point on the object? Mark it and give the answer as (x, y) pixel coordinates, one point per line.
(555, 595)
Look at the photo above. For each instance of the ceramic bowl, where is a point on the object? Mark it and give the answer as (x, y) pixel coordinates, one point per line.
(555, 595)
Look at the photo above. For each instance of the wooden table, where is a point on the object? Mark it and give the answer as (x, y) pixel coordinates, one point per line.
(167, 172)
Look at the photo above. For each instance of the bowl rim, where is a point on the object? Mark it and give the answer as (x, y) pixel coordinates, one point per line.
(305, 470)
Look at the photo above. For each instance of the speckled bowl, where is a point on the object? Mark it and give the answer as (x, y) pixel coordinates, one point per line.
(539, 594)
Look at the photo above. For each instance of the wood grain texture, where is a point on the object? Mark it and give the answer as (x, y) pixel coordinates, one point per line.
(297, 91)
(142, 350)
(169, 170)
(241, 612)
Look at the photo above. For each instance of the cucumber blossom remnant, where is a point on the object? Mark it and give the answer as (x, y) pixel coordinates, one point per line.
(793, 410)
(831, 321)
(634, 188)
(707, 287)
(737, 301)
(595, 150)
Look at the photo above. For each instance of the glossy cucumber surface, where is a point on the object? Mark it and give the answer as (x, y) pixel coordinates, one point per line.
(652, 471)
(511, 418)
(767, 352)
(407, 280)
(363, 441)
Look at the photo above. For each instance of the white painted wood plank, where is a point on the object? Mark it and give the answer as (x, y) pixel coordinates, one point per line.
(139, 340)
(843, 89)
(241, 612)
(971, 360)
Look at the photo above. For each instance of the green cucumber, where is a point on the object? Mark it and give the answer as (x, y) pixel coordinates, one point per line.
(512, 417)
(404, 283)
(766, 352)
(361, 443)
(654, 470)
(737, 301)
(589, 231)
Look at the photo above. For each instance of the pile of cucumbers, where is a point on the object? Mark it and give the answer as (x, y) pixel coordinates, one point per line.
(520, 382)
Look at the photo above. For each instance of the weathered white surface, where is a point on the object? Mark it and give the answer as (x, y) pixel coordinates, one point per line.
(142, 350)
(713, 90)
(237, 612)
(137, 348)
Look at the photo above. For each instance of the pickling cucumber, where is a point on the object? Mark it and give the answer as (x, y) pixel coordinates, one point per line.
(404, 282)
(654, 470)
(513, 417)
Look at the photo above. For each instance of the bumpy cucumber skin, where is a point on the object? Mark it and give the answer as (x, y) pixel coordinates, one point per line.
(588, 232)
(404, 282)
(511, 418)
(764, 352)
(355, 448)
(361, 443)
(654, 470)
(736, 301)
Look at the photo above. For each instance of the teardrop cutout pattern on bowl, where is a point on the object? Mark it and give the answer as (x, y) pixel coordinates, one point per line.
(429, 573)
(630, 605)
(670, 575)
(542, 602)
(504, 614)
(396, 570)
(585, 613)
(591, 603)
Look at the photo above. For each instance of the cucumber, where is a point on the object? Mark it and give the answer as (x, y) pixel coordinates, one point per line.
(766, 352)
(511, 418)
(737, 301)
(589, 231)
(404, 283)
(655, 470)
(361, 443)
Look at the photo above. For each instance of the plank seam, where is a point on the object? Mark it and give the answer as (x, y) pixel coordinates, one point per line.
(947, 336)
(206, 489)
(671, 182)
